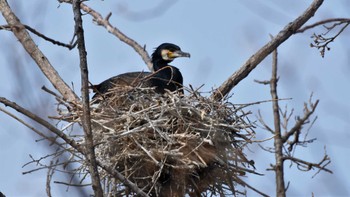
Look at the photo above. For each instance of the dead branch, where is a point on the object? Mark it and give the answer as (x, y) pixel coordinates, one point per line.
(307, 166)
(97, 17)
(300, 122)
(50, 139)
(86, 119)
(72, 143)
(320, 41)
(255, 59)
(34, 31)
(49, 175)
(27, 42)
(278, 142)
(40, 121)
(323, 22)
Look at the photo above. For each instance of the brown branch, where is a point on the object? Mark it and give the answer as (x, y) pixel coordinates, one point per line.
(50, 139)
(72, 143)
(307, 166)
(49, 175)
(32, 49)
(278, 143)
(260, 55)
(301, 121)
(69, 46)
(321, 42)
(39, 120)
(331, 20)
(86, 119)
(97, 17)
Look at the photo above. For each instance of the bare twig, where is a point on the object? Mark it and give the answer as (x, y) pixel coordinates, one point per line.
(323, 22)
(301, 121)
(255, 59)
(306, 166)
(27, 42)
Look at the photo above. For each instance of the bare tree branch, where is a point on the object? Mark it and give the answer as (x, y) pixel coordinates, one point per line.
(24, 38)
(69, 46)
(49, 175)
(255, 59)
(278, 143)
(306, 166)
(72, 143)
(115, 31)
(86, 119)
(323, 22)
(301, 121)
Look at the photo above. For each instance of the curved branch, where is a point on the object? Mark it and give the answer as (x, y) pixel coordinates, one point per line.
(260, 55)
(115, 31)
(331, 20)
(32, 49)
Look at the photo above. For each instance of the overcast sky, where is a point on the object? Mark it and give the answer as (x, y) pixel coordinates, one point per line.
(220, 36)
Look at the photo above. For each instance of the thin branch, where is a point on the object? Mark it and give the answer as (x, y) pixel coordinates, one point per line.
(72, 184)
(50, 139)
(260, 55)
(306, 166)
(321, 42)
(40, 121)
(49, 175)
(278, 142)
(115, 31)
(86, 119)
(301, 121)
(69, 46)
(331, 20)
(32, 49)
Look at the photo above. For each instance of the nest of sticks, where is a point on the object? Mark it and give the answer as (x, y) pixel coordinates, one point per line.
(170, 144)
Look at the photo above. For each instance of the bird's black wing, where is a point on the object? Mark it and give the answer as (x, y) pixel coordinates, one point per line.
(126, 79)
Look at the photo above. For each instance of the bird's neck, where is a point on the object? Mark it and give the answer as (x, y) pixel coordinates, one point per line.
(159, 64)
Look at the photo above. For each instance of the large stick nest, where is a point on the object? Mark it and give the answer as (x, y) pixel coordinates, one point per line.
(170, 144)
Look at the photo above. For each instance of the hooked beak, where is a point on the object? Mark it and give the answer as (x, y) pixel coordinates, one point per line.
(176, 54)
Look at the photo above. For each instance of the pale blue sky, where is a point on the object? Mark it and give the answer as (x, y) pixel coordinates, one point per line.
(220, 37)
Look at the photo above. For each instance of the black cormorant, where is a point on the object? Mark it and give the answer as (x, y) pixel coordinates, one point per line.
(164, 76)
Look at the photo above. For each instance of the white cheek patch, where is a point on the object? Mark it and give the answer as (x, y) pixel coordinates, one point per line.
(165, 55)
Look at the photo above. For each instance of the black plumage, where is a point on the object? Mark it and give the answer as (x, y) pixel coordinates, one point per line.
(164, 76)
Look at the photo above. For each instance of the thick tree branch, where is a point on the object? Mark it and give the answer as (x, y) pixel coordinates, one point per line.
(260, 55)
(86, 119)
(115, 31)
(32, 49)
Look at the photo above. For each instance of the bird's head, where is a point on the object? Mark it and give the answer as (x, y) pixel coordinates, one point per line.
(167, 52)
